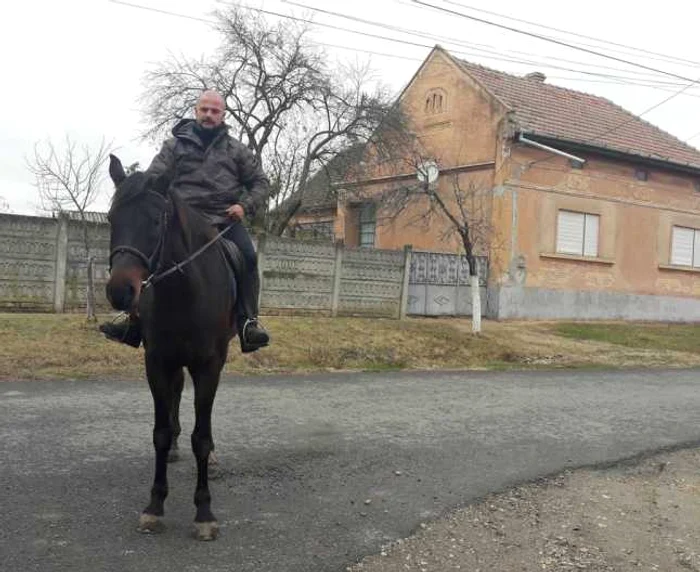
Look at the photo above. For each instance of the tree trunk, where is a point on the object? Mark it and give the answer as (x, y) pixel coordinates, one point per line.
(473, 280)
(476, 305)
(91, 317)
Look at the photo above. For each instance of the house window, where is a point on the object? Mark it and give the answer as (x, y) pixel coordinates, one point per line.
(685, 246)
(577, 233)
(368, 225)
(435, 101)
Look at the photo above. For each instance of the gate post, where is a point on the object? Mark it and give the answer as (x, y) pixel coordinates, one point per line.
(337, 274)
(59, 280)
(403, 304)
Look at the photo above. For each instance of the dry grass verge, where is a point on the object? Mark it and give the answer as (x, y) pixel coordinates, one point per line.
(45, 346)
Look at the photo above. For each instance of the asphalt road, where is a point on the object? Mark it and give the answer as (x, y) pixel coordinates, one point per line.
(300, 456)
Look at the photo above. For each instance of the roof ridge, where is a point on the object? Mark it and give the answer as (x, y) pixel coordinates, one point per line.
(531, 82)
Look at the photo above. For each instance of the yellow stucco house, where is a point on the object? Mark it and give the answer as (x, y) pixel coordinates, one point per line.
(597, 211)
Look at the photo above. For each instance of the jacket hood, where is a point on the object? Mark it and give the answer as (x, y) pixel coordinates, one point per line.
(184, 126)
(188, 128)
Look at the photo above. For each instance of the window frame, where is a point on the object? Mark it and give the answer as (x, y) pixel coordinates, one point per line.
(694, 249)
(586, 216)
(367, 225)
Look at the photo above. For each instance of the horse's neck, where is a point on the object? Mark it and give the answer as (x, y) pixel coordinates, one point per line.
(187, 245)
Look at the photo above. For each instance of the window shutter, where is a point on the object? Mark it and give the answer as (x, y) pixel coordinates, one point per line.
(682, 246)
(570, 233)
(590, 246)
(696, 250)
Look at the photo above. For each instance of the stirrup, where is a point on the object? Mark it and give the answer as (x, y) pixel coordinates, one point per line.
(248, 322)
(251, 346)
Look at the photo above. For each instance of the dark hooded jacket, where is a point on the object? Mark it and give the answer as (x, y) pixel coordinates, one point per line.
(211, 178)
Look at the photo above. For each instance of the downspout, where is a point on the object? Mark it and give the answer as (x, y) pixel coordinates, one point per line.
(531, 143)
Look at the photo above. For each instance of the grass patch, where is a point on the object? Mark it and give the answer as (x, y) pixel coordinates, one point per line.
(46, 346)
(669, 337)
(49, 346)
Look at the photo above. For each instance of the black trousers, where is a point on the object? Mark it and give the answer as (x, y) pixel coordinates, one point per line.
(248, 281)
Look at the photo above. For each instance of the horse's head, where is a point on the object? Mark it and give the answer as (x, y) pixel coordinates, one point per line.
(137, 216)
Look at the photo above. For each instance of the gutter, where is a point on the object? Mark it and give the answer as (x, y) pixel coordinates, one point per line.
(531, 143)
(629, 157)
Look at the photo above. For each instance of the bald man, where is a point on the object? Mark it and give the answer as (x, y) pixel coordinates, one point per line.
(223, 180)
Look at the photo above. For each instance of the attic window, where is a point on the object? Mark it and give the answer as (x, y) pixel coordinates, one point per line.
(435, 101)
(641, 174)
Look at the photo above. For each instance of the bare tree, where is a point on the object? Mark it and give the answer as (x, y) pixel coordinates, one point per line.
(461, 206)
(4, 205)
(70, 179)
(292, 108)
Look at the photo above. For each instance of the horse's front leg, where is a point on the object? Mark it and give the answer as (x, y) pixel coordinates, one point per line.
(205, 378)
(178, 384)
(161, 382)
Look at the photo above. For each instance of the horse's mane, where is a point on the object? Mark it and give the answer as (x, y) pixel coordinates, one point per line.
(132, 187)
(136, 184)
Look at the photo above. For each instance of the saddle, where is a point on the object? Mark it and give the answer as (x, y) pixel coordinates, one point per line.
(234, 259)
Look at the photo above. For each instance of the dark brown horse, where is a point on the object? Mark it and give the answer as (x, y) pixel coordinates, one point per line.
(168, 268)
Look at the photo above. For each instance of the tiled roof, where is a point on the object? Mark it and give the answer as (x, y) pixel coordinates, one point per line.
(567, 115)
(319, 194)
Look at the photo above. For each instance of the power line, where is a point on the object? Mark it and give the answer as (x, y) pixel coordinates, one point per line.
(396, 40)
(475, 46)
(621, 80)
(551, 40)
(600, 40)
(603, 134)
(160, 11)
(456, 42)
(645, 112)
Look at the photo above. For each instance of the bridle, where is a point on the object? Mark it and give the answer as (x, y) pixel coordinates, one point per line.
(153, 263)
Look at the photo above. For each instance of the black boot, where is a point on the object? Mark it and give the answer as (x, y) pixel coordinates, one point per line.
(127, 332)
(252, 335)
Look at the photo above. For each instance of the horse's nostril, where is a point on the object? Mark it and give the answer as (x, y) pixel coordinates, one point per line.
(121, 297)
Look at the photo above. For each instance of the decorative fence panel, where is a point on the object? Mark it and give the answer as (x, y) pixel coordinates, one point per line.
(440, 284)
(371, 282)
(296, 275)
(28, 257)
(76, 267)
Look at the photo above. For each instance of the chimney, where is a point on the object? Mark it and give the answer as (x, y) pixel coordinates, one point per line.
(536, 76)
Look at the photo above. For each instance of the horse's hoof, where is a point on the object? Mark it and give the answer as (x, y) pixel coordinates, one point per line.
(206, 530)
(173, 455)
(150, 524)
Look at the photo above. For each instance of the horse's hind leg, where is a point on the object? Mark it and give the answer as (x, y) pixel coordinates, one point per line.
(160, 381)
(178, 384)
(206, 380)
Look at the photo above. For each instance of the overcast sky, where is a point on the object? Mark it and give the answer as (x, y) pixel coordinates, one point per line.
(76, 66)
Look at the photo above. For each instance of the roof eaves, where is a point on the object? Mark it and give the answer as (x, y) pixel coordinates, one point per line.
(614, 150)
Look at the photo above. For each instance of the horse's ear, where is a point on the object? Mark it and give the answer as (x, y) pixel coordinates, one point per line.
(116, 170)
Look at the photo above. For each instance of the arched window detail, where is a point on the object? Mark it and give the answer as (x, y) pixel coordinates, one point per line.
(435, 101)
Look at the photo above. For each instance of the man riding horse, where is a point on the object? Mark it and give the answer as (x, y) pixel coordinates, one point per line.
(223, 180)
